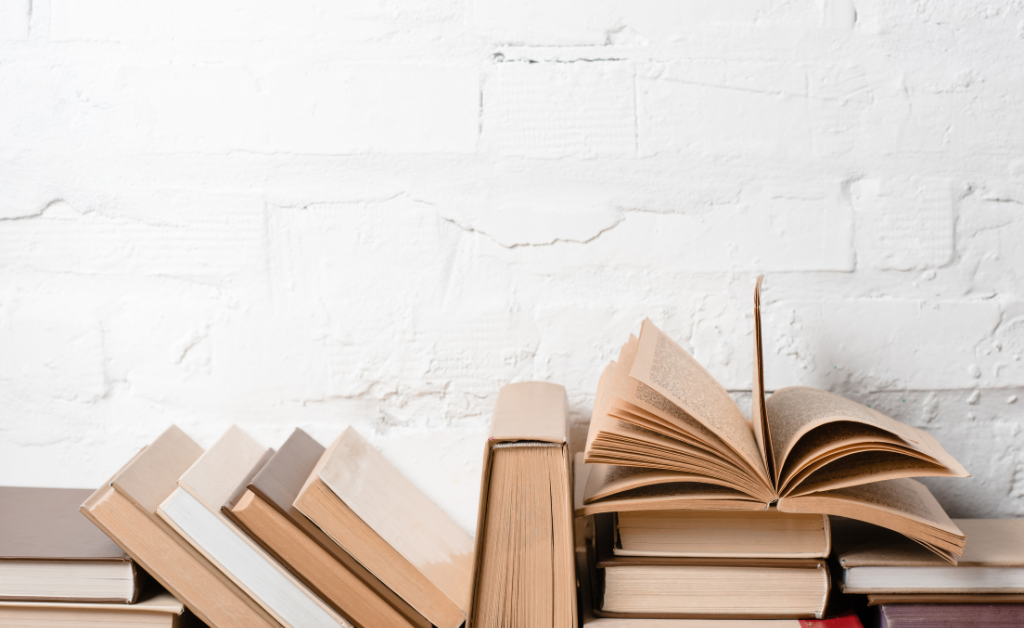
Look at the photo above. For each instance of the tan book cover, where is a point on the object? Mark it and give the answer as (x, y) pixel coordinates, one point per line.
(194, 510)
(265, 512)
(125, 510)
(524, 557)
(666, 435)
(378, 516)
(155, 609)
(41, 527)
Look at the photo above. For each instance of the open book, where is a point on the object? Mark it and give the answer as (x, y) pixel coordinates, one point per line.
(665, 435)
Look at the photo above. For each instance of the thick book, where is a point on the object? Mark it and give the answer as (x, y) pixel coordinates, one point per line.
(193, 510)
(524, 573)
(155, 609)
(265, 512)
(721, 534)
(948, 616)
(705, 588)
(877, 561)
(372, 511)
(125, 507)
(50, 552)
(665, 435)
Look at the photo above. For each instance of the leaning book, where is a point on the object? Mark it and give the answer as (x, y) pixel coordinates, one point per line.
(665, 435)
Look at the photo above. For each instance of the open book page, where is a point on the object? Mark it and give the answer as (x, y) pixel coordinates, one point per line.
(758, 415)
(667, 368)
(617, 442)
(902, 505)
(795, 411)
(631, 400)
(674, 496)
(606, 480)
(820, 444)
(862, 464)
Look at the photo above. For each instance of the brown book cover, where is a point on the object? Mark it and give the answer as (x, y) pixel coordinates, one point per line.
(43, 524)
(263, 507)
(366, 506)
(125, 509)
(525, 512)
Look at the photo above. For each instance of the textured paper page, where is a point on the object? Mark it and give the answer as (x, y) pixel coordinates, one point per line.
(758, 414)
(797, 410)
(667, 368)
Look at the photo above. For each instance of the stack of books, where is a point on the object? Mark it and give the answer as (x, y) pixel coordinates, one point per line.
(907, 586)
(57, 569)
(304, 537)
(700, 514)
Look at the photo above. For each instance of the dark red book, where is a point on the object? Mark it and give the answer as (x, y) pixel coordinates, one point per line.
(949, 615)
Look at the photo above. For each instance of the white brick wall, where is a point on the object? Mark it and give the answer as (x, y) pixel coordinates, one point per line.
(317, 214)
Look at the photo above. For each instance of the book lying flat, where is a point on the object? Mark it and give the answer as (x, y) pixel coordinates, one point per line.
(366, 506)
(157, 609)
(665, 435)
(524, 550)
(705, 588)
(877, 561)
(49, 551)
(721, 534)
(194, 511)
(265, 512)
(945, 598)
(125, 510)
(949, 615)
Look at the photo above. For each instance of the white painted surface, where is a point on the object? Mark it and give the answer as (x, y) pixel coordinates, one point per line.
(318, 214)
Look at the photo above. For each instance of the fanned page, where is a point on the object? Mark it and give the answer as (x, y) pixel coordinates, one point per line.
(668, 369)
(758, 416)
(903, 505)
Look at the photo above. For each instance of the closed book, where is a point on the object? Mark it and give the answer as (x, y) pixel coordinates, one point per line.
(524, 549)
(155, 609)
(948, 615)
(372, 511)
(49, 551)
(265, 511)
(721, 534)
(194, 511)
(125, 510)
(705, 588)
(875, 560)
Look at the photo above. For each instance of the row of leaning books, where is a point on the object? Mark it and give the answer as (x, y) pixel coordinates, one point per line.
(677, 513)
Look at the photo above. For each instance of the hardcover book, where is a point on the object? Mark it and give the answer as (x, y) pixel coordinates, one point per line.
(665, 435)
(125, 510)
(524, 550)
(876, 561)
(366, 506)
(156, 609)
(50, 552)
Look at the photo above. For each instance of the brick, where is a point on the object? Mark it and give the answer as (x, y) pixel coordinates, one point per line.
(230, 20)
(554, 110)
(318, 109)
(869, 345)
(14, 19)
(185, 237)
(903, 223)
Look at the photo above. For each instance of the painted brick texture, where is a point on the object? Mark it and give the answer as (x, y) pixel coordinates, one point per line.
(318, 214)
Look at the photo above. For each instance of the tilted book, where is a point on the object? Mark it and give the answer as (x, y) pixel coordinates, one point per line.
(265, 511)
(372, 511)
(524, 550)
(125, 510)
(50, 552)
(665, 435)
